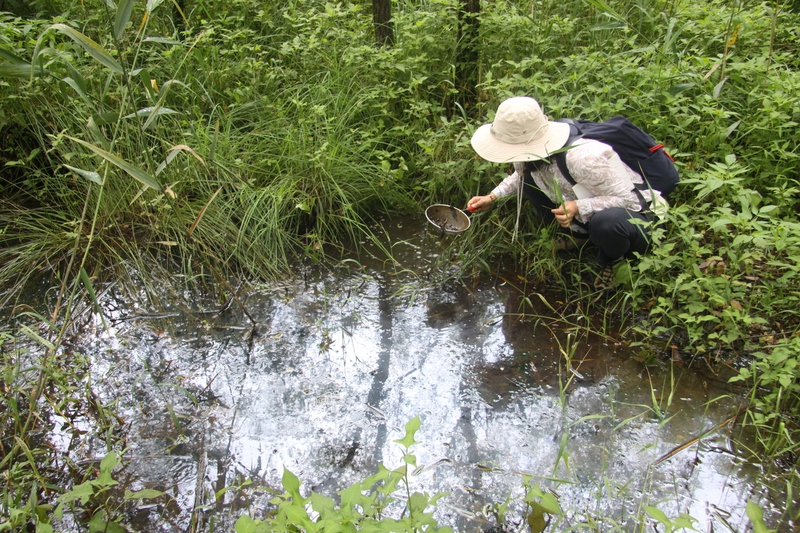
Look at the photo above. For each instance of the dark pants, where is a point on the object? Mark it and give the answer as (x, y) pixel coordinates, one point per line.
(611, 230)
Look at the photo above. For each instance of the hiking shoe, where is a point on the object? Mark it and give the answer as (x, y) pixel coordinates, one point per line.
(568, 243)
(605, 279)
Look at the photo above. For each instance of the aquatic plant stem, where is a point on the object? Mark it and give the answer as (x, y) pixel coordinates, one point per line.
(72, 255)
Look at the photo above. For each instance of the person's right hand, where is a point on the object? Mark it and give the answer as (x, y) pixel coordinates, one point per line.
(480, 203)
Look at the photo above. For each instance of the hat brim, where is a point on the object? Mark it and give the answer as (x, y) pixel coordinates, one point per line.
(491, 149)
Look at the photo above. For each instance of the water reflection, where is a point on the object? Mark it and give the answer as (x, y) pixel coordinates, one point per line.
(338, 363)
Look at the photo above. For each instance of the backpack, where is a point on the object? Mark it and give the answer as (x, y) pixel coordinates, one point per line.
(635, 147)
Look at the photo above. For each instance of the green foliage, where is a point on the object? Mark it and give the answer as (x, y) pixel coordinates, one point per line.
(105, 508)
(367, 505)
(756, 516)
(683, 522)
(774, 378)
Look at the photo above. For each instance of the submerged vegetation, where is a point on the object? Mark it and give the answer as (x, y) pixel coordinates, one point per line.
(239, 138)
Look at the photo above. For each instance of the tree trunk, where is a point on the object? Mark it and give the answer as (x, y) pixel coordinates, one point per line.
(467, 53)
(382, 20)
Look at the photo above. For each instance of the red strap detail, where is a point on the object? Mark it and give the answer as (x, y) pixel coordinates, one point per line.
(661, 147)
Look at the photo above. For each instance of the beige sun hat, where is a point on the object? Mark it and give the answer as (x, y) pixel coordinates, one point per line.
(520, 132)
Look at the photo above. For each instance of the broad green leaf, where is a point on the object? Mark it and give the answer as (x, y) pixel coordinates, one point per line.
(417, 503)
(90, 46)
(536, 521)
(298, 516)
(351, 496)
(148, 111)
(123, 16)
(659, 515)
(78, 89)
(151, 113)
(325, 506)
(19, 70)
(16, 66)
(685, 522)
(153, 4)
(550, 503)
(756, 516)
(161, 96)
(80, 492)
(605, 8)
(411, 428)
(104, 119)
(74, 73)
(730, 129)
(245, 524)
(616, 25)
(147, 83)
(679, 88)
(144, 494)
(136, 172)
(36, 337)
(10, 56)
(100, 523)
(718, 87)
(160, 40)
(290, 483)
(97, 134)
(107, 465)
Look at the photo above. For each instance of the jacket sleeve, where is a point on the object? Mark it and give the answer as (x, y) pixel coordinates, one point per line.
(508, 186)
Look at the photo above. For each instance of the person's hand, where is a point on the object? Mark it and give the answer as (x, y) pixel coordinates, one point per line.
(564, 218)
(480, 203)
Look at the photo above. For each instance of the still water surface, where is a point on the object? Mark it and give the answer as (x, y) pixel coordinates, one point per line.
(338, 362)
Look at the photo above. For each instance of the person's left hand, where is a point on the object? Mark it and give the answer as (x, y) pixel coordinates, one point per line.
(564, 218)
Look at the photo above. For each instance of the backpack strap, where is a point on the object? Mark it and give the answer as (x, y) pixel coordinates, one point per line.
(561, 160)
(561, 157)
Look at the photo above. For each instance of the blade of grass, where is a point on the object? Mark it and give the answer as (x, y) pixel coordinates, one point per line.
(133, 170)
(203, 210)
(90, 46)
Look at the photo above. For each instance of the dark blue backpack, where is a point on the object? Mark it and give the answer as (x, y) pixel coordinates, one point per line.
(635, 147)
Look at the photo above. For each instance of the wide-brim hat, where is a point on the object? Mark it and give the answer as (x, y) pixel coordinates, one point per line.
(520, 132)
